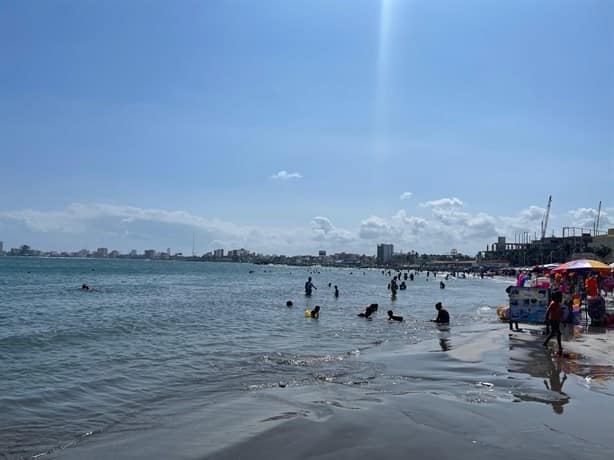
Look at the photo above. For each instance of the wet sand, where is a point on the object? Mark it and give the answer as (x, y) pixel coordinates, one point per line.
(475, 394)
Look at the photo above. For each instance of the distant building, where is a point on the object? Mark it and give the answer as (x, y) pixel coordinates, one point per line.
(1, 248)
(321, 253)
(453, 252)
(218, 253)
(603, 245)
(384, 253)
(114, 253)
(574, 243)
(101, 252)
(133, 253)
(150, 253)
(500, 244)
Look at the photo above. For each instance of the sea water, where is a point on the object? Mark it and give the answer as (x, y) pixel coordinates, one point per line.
(158, 334)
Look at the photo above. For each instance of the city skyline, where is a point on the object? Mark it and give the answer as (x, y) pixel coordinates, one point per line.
(289, 128)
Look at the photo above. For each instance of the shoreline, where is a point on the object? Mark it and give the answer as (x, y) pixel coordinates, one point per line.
(490, 393)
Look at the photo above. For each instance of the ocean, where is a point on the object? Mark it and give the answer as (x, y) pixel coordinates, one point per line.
(153, 333)
(154, 342)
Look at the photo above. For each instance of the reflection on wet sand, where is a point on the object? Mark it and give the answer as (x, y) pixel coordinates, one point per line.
(527, 356)
(556, 384)
(539, 363)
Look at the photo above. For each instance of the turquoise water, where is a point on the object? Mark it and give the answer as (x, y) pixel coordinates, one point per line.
(154, 334)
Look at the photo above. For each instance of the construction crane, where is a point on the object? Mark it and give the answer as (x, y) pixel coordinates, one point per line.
(545, 221)
(597, 219)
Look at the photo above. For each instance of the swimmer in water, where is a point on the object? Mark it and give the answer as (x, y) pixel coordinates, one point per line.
(368, 311)
(85, 287)
(315, 313)
(393, 317)
(336, 291)
(442, 285)
(289, 303)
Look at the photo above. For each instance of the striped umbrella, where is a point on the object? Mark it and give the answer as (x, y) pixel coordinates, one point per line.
(588, 265)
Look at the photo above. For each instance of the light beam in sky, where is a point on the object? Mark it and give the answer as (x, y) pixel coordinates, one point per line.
(381, 93)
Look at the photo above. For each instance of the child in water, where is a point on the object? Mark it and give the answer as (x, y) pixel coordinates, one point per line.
(315, 313)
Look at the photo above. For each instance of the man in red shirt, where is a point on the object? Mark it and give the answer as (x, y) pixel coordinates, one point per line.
(591, 286)
(554, 315)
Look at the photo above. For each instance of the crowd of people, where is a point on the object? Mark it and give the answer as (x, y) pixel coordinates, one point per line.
(443, 317)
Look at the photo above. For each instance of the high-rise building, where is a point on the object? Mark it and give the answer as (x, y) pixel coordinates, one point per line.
(218, 253)
(321, 253)
(1, 248)
(384, 253)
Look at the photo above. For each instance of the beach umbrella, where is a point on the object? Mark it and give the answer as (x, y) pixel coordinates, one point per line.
(550, 266)
(587, 265)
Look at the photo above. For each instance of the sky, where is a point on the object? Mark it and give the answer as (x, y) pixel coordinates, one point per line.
(288, 127)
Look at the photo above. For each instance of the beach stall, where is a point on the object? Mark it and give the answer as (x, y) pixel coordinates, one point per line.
(528, 304)
(586, 281)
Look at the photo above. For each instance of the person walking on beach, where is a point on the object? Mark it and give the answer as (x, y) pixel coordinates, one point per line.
(309, 286)
(443, 317)
(554, 315)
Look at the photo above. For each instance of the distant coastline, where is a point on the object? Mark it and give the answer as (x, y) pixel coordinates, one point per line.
(432, 263)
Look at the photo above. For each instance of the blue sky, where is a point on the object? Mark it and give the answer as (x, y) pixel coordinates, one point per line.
(135, 124)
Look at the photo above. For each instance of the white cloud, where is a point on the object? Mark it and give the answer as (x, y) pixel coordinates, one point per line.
(440, 225)
(378, 228)
(585, 217)
(443, 203)
(104, 224)
(405, 196)
(325, 231)
(447, 225)
(285, 175)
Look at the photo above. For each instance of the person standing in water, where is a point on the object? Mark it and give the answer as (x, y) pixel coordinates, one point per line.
(336, 291)
(309, 286)
(393, 286)
(443, 317)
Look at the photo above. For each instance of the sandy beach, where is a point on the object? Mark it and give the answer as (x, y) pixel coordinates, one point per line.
(473, 394)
